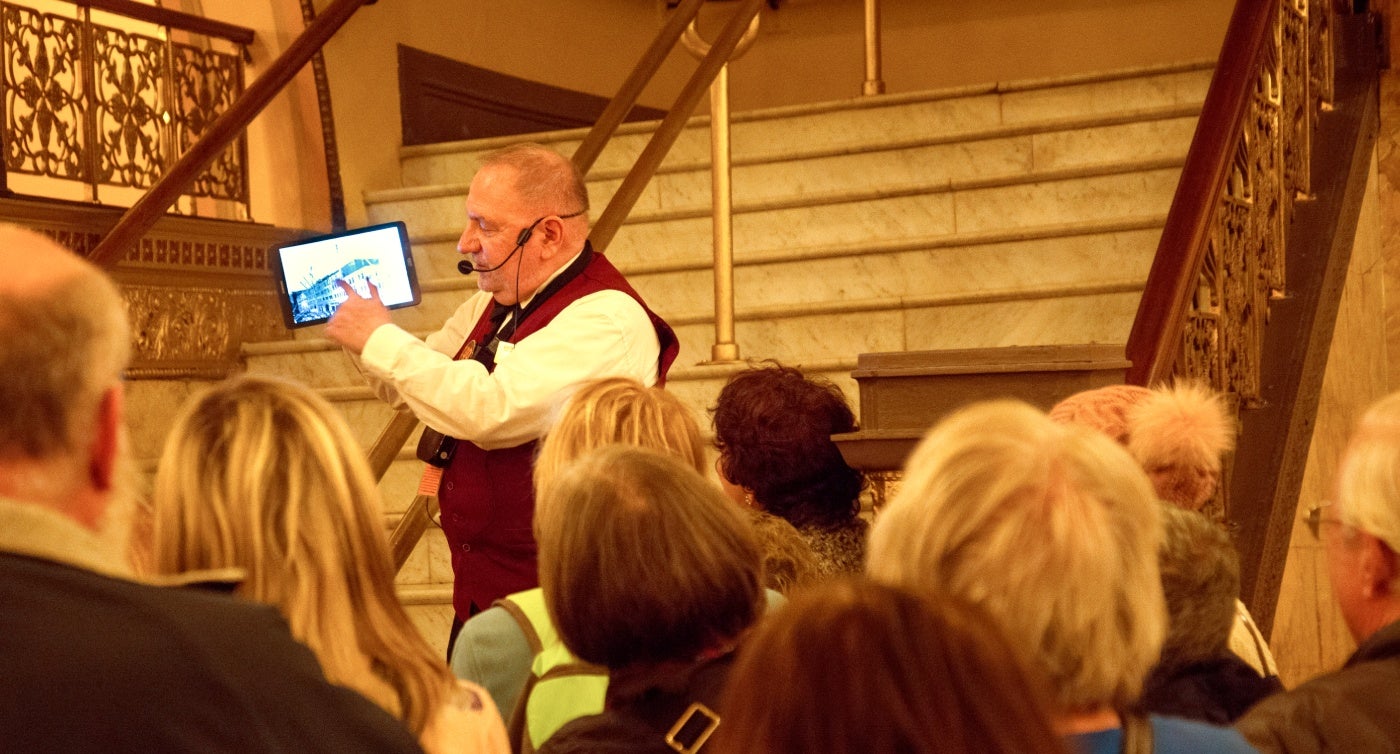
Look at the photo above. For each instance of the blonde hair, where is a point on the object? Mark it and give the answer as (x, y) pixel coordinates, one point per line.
(643, 560)
(1052, 529)
(619, 410)
(1368, 481)
(263, 475)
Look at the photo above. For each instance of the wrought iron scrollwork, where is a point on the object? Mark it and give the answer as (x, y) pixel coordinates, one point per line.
(43, 94)
(111, 107)
(1222, 341)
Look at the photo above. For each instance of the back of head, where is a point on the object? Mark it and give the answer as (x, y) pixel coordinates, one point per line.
(262, 474)
(624, 411)
(64, 340)
(1052, 529)
(546, 180)
(773, 427)
(1368, 481)
(643, 560)
(1200, 579)
(1178, 434)
(853, 667)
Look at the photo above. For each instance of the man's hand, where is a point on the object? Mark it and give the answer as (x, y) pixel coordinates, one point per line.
(357, 318)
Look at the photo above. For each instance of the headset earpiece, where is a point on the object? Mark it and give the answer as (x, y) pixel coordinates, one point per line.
(524, 236)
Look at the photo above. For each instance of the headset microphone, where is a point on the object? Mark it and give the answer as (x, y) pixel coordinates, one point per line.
(465, 266)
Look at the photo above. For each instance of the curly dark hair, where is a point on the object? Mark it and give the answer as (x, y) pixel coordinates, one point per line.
(773, 428)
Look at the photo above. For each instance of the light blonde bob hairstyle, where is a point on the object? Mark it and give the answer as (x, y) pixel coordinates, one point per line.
(624, 411)
(262, 474)
(1052, 529)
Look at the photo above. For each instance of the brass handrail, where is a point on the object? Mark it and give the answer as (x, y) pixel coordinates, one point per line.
(143, 215)
(671, 126)
(874, 83)
(592, 145)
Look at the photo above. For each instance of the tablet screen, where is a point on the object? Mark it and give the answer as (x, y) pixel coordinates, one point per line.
(307, 271)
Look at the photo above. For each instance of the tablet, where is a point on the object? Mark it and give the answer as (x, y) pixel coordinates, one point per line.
(307, 270)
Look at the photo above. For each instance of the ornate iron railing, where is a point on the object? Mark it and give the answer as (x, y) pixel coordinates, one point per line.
(1243, 291)
(109, 93)
(1216, 270)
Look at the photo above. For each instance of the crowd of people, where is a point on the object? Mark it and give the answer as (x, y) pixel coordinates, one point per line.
(1042, 581)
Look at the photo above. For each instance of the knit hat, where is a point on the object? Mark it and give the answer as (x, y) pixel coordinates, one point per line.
(1178, 434)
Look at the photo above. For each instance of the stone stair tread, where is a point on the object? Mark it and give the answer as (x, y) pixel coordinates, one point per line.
(742, 159)
(862, 102)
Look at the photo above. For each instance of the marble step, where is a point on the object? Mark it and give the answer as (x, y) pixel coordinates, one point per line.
(1115, 192)
(951, 269)
(1034, 315)
(848, 126)
(1055, 145)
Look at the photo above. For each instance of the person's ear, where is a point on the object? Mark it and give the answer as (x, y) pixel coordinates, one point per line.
(550, 232)
(1379, 567)
(106, 440)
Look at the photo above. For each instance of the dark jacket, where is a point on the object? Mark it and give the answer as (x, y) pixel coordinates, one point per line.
(1356, 709)
(642, 707)
(94, 663)
(1212, 691)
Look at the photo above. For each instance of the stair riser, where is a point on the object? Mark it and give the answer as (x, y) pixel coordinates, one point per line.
(965, 270)
(861, 219)
(928, 166)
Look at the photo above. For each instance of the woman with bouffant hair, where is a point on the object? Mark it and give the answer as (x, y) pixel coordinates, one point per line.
(649, 571)
(773, 428)
(262, 475)
(872, 669)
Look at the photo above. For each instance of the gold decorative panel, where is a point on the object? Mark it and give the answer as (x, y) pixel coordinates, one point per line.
(196, 331)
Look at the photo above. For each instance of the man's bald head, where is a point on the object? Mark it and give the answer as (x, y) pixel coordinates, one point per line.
(64, 341)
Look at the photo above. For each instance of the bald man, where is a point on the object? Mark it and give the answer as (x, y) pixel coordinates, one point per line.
(550, 314)
(91, 660)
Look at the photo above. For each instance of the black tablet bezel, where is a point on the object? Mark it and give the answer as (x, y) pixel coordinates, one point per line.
(284, 298)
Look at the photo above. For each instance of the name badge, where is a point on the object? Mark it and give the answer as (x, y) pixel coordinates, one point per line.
(503, 350)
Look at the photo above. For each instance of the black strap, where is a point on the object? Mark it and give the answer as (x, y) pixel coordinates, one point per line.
(1137, 734)
(499, 313)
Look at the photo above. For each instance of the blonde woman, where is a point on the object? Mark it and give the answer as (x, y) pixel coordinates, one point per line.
(1053, 531)
(262, 475)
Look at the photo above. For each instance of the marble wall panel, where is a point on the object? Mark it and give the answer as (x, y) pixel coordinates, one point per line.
(1146, 193)
(1143, 140)
(1070, 320)
(1180, 88)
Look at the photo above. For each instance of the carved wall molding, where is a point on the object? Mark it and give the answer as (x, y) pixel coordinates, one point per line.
(196, 332)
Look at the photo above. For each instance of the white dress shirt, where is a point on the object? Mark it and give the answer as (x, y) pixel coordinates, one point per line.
(603, 334)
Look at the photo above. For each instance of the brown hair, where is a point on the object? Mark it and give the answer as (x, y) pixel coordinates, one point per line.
(856, 667)
(262, 474)
(773, 428)
(643, 560)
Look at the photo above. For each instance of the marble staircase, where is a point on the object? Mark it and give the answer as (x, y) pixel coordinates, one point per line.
(1009, 214)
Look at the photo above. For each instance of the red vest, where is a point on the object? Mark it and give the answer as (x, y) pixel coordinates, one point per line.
(487, 496)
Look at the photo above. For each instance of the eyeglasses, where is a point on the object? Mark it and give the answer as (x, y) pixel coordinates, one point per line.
(1317, 516)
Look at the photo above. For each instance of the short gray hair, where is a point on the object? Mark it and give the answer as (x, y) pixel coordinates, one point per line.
(1368, 482)
(1201, 580)
(546, 180)
(1052, 529)
(59, 351)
